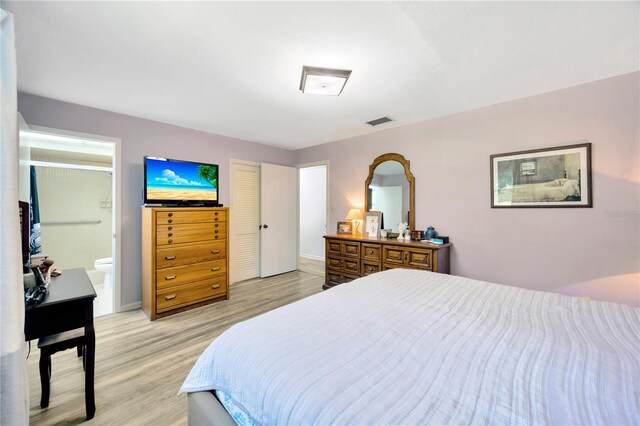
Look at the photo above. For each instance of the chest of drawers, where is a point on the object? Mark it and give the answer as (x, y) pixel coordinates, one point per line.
(184, 258)
(348, 257)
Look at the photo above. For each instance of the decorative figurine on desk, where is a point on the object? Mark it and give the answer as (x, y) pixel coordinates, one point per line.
(402, 227)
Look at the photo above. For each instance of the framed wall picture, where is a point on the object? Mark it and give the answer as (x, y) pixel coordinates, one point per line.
(345, 228)
(372, 221)
(549, 177)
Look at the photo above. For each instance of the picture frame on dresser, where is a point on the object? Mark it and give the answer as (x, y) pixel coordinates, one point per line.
(372, 224)
(344, 228)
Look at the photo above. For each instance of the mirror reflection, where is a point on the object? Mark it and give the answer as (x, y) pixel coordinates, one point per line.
(388, 192)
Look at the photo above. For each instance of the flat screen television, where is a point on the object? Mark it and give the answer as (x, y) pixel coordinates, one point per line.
(180, 183)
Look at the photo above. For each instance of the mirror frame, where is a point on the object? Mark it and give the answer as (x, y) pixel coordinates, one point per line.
(407, 171)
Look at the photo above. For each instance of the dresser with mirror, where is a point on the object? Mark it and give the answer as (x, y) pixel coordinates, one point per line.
(390, 189)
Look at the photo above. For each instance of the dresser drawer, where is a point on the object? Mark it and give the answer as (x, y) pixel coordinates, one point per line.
(189, 233)
(178, 216)
(337, 278)
(176, 256)
(407, 257)
(334, 263)
(189, 273)
(392, 254)
(371, 252)
(333, 247)
(369, 268)
(174, 297)
(350, 249)
(419, 259)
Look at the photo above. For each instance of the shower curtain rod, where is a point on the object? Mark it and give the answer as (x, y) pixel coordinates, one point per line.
(71, 166)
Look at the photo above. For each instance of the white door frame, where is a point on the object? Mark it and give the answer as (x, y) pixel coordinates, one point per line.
(232, 213)
(327, 201)
(116, 182)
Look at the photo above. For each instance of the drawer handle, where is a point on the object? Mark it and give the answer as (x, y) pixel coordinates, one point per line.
(215, 251)
(371, 268)
(170, 228)
(216, 237)
(170, 220)
(170, 241)
(169, 258)
(216, 213)
(216, 231)
(217, 224)
(170, 297)
(215, 286)
(171, 234)
(170, 214)
(170, 277)
(370, 251)
(215, 268)
(215, 218)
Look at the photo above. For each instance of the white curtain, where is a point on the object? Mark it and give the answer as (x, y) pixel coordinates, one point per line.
(14, 386)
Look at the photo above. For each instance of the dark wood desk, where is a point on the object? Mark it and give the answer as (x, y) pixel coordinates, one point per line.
(69, 305)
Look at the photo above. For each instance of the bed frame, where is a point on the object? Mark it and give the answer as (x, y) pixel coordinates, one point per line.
(205, 409)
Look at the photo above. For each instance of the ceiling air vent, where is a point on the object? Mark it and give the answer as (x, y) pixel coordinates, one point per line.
(379, 121)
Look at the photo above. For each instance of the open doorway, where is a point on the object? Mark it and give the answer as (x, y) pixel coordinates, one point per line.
(313, 217)
(73, 188)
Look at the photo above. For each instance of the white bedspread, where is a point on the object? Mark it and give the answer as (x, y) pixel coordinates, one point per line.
(409, 347)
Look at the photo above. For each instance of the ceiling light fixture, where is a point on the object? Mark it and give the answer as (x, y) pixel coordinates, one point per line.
(323, 81)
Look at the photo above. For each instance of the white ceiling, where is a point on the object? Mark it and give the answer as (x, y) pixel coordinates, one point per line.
(234, 68)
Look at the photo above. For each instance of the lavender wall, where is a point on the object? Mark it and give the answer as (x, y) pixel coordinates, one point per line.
(144, 137)
(593, 252)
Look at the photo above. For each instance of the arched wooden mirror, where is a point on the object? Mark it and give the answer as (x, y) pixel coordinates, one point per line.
(390, 188)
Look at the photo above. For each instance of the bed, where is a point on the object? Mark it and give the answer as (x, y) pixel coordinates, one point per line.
(415, 347)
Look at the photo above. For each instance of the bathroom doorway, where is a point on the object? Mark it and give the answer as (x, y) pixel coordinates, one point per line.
(312, 210)
(73, 186)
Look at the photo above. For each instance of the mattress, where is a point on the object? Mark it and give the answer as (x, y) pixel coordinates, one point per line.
(414, 347)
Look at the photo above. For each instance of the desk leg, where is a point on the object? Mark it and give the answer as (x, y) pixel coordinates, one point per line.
(90, 361)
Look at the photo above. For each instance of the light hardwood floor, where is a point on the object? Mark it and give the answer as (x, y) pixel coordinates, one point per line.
(311, 266)
(140, 365)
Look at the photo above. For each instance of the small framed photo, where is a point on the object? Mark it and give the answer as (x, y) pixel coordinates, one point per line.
(372, 221)
(549, 177)
(345, 228)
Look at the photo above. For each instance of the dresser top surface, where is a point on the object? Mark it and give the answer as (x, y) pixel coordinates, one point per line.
(380, 240)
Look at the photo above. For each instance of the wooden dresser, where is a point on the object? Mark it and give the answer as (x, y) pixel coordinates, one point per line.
(185, 259)
(349, 257)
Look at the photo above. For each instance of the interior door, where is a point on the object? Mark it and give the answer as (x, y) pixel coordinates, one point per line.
(245, 207)
(278, 210)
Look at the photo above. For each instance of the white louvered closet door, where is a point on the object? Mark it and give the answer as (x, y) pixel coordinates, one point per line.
(245, 205)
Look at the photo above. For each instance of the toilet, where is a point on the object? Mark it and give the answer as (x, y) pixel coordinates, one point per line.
(106, 265)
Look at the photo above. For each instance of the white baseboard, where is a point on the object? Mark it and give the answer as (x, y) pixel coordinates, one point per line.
(130, 307)
(310, 256)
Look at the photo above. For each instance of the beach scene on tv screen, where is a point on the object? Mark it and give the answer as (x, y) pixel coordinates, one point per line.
(168, 180)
